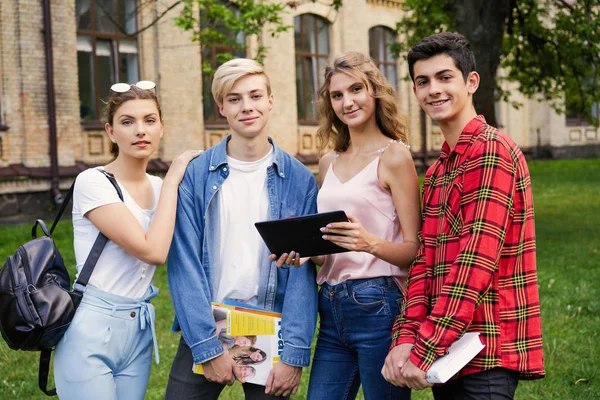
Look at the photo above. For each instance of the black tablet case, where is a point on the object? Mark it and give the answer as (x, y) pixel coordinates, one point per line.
(301, 234)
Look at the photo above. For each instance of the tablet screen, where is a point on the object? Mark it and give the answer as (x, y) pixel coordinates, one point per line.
(301, 234)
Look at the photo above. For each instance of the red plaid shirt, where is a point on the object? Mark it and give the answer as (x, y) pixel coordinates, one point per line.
(475, 270)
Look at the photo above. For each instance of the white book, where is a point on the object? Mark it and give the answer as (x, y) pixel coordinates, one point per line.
(459, 354)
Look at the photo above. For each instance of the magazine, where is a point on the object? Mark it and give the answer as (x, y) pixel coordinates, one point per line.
(252, 337)
(459, 354)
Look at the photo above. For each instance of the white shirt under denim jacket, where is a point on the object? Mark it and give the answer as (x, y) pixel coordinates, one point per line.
(192, 271)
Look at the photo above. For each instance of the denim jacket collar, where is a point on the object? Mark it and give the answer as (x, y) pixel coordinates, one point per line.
(219, 156)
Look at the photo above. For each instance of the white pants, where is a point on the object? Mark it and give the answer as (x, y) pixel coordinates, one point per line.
(107, 351)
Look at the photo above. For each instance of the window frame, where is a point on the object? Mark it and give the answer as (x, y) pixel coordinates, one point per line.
(312, 57)
(217, 121)
(115, 39)
(575, 119)
(383, 32)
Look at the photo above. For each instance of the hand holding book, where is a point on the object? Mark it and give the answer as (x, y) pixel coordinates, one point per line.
(400, 371)
(252, 342)
(459, 354)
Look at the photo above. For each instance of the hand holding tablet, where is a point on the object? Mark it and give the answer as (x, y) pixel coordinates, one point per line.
(300, 235)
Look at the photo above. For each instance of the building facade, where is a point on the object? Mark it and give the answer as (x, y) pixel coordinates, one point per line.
(45, 143)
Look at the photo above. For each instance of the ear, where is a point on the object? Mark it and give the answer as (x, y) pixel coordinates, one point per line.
(162, 128)
(221, 110)
(414, 90)
(271, 104)
(109, 130)
(472, 82)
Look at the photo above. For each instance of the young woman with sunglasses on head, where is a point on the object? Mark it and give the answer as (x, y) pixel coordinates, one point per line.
(370, 175)
(107, 351)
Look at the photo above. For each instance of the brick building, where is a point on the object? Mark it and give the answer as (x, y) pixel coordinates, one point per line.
(44, 145)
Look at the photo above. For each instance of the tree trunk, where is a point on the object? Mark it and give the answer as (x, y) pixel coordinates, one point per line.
(483, 23)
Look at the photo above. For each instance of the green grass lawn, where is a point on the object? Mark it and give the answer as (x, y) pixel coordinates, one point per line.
(567, 206)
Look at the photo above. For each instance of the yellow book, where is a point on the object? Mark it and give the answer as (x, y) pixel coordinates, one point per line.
(252, 338)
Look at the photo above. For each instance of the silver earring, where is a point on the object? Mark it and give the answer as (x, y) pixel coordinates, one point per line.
(112, 139)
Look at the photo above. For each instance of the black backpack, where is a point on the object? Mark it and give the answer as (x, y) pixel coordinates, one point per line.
(36, 304)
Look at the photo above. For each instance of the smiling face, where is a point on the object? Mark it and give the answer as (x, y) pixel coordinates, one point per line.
(442, 91)
(247, 106)
(137, 128)
(352, 101)
(257, 356)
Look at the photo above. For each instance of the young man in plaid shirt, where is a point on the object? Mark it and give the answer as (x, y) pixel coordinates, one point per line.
(475, 270)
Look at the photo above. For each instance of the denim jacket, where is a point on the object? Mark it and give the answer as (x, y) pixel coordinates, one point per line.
(192, 271)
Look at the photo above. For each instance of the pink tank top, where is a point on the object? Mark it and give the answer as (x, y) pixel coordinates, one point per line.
(365, 198)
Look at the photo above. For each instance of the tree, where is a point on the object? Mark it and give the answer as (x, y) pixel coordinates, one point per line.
(549, 48)
(218, 22)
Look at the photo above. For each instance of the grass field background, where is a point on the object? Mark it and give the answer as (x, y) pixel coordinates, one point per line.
(567, 212)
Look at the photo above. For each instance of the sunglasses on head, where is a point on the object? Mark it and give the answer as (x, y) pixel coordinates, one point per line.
(124, 87)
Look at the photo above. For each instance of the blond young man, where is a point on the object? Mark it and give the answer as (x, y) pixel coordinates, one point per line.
(217, 253)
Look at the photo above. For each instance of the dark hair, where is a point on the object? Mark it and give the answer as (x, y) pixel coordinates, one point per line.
(241, 355)
(117, 99)
(452, 44)
(390, 120)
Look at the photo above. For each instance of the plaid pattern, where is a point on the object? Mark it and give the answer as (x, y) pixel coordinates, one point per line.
(475, 270)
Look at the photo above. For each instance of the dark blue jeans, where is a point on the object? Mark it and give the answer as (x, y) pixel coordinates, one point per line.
(355, 332)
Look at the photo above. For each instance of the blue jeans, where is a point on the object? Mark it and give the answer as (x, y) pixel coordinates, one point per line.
(355, 333)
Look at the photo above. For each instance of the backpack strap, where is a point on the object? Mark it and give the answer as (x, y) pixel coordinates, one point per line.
(45, 356)
(81, 282)
(61, 210)
(101, 240)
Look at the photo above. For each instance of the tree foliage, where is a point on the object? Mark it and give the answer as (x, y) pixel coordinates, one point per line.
(549, 48)
(218, 22)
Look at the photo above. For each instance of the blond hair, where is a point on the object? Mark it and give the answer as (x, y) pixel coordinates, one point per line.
(228, 73)
(390, 120)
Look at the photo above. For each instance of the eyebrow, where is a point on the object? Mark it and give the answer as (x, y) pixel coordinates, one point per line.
(442, 72)
(237, 94)
(357, 83)
(132, 117)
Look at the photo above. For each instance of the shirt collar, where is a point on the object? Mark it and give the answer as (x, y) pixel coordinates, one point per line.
(219, 156)
(465, 138)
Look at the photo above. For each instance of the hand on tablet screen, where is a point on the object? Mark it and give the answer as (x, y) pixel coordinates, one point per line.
(350, 235)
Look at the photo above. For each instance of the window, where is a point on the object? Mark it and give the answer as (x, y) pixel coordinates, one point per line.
(106, 50)
(233, 44)
(575, 118)
(311, 34)
(380, 39)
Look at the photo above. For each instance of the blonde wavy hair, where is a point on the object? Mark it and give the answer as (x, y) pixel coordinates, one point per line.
(390, 120)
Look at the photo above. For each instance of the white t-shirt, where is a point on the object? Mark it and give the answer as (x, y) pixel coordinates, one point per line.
(243, 200)
(116, 271)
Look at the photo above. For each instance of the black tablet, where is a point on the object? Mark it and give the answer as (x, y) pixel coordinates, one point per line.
(301, 234)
